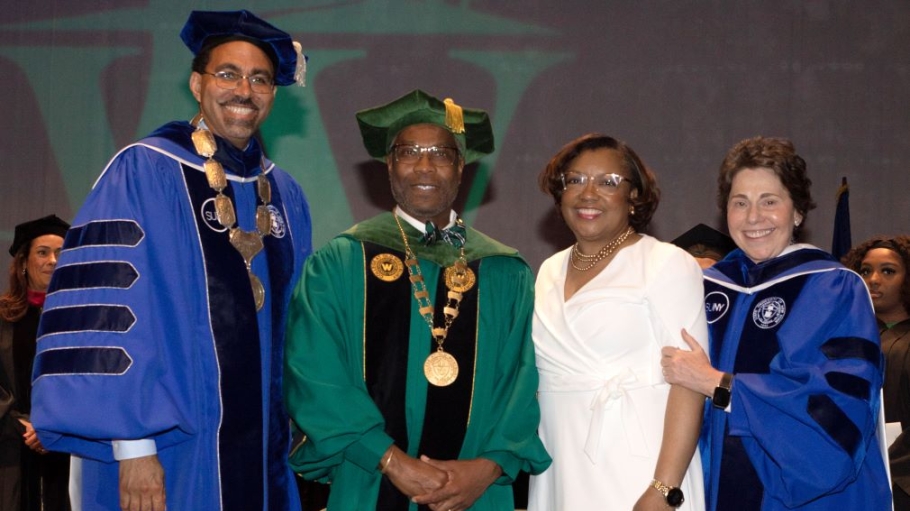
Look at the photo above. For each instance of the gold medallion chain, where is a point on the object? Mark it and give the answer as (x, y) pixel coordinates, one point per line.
(247, 243)
(440, 368)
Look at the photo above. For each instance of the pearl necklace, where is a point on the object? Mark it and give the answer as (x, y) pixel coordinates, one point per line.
(592, 259)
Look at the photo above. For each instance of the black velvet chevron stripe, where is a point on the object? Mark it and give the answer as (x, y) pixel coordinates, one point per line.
(106, 232)
(839, 348)
(849, 384)
(87, 318)
(82, 361)
(825, 412)
(93, 275)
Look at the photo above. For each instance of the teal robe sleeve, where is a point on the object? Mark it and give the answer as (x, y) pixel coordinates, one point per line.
(505, 413)
(324, 385)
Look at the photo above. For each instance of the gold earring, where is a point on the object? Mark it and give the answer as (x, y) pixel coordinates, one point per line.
(632, 210)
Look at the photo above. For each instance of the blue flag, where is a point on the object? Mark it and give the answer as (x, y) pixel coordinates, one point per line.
(841, 241)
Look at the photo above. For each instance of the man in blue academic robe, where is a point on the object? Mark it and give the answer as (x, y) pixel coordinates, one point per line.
(160, 351)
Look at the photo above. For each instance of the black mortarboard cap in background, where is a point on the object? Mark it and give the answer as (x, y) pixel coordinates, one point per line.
(702, 239)
(27, 231)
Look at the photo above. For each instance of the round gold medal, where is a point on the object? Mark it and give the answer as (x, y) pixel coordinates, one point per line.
(258, 291)
(460, 278)
(387, 267)
(441, 369)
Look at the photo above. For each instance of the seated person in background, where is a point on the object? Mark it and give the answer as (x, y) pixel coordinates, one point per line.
(883, 263)
(706, 244)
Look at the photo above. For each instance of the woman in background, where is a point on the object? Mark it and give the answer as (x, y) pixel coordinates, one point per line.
(31, 478)
(883, 263)
(620, 437)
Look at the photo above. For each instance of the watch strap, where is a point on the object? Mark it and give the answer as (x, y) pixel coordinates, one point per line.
(673, 495)
(721, 398)
(661, 487)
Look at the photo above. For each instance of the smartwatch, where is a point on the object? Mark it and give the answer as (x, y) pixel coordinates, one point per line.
(721, 397)
(674, 495)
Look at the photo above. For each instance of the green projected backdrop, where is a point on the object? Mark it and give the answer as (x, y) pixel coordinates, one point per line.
(680, 81)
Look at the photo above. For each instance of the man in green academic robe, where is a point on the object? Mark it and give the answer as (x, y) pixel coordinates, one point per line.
(410, 367)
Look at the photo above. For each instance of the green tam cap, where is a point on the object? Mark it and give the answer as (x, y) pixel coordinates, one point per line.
(380, 125)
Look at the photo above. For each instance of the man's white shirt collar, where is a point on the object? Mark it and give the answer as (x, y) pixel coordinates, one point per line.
(422, 226)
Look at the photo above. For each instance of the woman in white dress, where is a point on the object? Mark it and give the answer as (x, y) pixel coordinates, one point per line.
(621, 438)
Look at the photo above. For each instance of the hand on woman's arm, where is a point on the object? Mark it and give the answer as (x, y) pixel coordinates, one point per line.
(690, 369)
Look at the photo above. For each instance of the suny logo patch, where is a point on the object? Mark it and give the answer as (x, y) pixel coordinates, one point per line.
(716, 305)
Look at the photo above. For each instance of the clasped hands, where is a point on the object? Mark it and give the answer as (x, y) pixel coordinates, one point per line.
(452, 485)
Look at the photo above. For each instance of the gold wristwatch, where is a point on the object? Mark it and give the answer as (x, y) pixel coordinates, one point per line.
(674, 495)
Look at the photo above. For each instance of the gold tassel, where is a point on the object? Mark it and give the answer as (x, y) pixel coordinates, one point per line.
(454, 116)
(300, 70)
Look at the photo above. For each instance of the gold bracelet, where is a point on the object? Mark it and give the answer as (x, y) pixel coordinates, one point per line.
(384, 464)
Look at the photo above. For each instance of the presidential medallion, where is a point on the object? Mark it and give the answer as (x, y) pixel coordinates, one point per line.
(441, 369)
(460, 277)
(387, 267)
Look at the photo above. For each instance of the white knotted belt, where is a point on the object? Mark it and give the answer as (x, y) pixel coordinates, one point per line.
(612, 391)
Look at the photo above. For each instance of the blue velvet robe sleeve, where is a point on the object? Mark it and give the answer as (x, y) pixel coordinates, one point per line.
(133, 356)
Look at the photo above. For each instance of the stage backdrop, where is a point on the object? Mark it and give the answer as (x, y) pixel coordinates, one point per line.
(679, 80)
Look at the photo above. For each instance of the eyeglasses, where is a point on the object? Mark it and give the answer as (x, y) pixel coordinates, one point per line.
(230, 80)
(605, 184)
(439, 155)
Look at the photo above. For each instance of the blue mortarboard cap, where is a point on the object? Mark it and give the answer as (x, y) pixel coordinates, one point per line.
(202, 25)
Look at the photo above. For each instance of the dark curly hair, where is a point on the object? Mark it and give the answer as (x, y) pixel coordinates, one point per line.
(776, 154)
(642, 179)
(900, 245)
